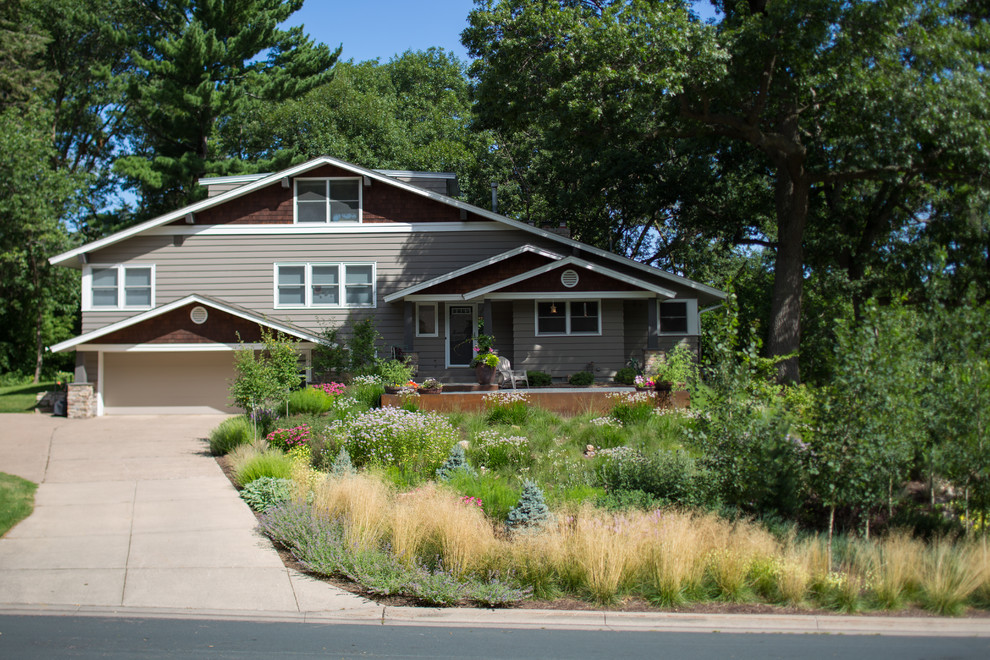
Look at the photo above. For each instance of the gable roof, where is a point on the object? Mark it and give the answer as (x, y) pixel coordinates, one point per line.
(208, 301)
(374, 175)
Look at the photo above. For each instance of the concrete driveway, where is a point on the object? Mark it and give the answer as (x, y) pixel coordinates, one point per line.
(132, 512)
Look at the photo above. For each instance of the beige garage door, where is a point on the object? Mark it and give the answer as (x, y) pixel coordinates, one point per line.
(139, 383)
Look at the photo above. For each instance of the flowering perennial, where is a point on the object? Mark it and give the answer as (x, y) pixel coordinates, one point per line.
(644, 381)
(607, 421)
(297, 436)
(393, 436)
(630, 398)
(330, 389)
(504, 398)
(473, 501)
(495, 450)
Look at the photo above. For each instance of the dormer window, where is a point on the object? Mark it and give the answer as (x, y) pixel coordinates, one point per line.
(321, 201)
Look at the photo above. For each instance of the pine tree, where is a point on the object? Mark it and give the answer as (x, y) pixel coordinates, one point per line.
(531, 511)
(199, 62)
(455, 461)
(342, 465)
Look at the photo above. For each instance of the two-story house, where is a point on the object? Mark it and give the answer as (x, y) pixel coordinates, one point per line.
(164, 302)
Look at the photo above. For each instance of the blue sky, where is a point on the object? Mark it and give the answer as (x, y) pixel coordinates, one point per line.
(384, 28)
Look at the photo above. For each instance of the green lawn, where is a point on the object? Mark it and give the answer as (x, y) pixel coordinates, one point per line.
(16, 500)
(20, 398)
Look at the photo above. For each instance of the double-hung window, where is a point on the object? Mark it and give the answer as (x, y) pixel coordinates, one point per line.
(678, 317)
(325, 285)
(321, 201)
(119, 287)
(568, 317)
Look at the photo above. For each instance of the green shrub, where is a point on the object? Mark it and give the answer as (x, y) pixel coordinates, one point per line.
(265, 492)
(632, 408)
(494, 450)
(263, 381)
(270, 463)
(363, 344)
(671, 477)
(309, 401)
(539, 378)
(229, 434)
(395, 373)
(367, 391)
(581, 379)
(625, 375)
(497, 494)
(531, 511)
(392, 436)
(509, 407)
(602, 433)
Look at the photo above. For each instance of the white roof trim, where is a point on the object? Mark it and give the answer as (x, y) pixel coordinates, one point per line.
(570, 261)
(468, 269)
(408, 187)
(158, 311)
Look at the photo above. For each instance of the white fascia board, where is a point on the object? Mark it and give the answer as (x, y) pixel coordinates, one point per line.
(572, 295)
(570, 261)
(336, 229)
(446, 277)
(152, 313)
(180, 348)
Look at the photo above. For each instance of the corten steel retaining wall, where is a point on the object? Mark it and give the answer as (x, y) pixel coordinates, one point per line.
(563, 403)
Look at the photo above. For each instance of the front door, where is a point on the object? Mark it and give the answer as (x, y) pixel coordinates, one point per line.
(460, 330)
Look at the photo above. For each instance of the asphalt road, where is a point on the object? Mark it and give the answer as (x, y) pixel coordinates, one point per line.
(50, 637)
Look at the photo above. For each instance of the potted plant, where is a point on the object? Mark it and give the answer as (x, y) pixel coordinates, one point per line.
(395, 375)
(675, 369)
(485, 360)
(431, 386)
(643, 383)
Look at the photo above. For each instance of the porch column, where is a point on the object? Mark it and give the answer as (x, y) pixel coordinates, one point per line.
(652, 331)
(486, 315)
(409, 327)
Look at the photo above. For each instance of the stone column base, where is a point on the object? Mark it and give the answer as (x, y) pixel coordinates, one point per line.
(82, 400)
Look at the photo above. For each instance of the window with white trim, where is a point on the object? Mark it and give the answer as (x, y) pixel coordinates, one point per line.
(678, 317)
(426, 320)
(568, 317)
(322, 201)
(119, 287)
(325, 285)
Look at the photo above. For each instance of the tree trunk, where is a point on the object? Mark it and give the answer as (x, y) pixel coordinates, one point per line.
(828, 543)
(792, 191)
(38, 343)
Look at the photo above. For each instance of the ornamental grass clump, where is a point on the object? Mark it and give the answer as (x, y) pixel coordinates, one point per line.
(363, 501)
(309, 401)
(893, 564)
(255, 464)
(602, 550)
(393, 437)
(949, 574)
(631, 408)
(674, 556)
(230, 434)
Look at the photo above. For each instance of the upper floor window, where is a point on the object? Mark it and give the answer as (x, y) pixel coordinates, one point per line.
(679, 317)
(328, 200)
(325, 285)
(119, 287)
(568, 317)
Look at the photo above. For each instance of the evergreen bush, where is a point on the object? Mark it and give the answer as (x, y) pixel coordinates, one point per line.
(531, 511)
(342, 465)
(581, 379)
(539, 378)
(625, 375)
(456, 462)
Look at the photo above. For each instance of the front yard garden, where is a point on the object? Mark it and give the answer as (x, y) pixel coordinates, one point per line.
(517, 503)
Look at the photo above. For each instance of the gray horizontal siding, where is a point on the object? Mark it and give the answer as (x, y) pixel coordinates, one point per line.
(562, 356)
(238, 268)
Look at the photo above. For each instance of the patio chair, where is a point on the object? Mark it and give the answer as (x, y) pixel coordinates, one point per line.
(504, 369)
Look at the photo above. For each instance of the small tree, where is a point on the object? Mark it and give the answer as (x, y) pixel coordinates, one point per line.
(342, 465)
(455, 461)
(531, 511)
(364, 346)
(331, 357)
(263, 381)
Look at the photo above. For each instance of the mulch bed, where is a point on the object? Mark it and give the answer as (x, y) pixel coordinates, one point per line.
(629, 604)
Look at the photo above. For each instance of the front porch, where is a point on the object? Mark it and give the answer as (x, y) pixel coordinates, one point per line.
(566, 401)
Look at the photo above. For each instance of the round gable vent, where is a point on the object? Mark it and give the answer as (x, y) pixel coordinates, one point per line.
(569, 278)
(199, 315)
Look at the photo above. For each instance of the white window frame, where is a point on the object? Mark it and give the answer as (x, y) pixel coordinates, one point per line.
(87, 287)
(567, 316)
(326, 180)
(436, 319)
(341, 284)
(692, 317)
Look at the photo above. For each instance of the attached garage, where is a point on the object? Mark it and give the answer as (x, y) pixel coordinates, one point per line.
(177, 358)
(166, 382)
